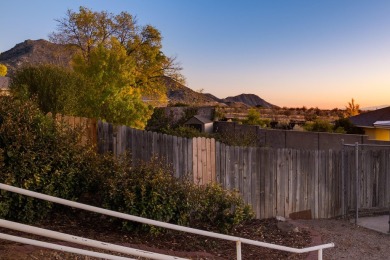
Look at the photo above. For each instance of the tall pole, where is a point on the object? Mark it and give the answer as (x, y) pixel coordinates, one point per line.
(357, 181)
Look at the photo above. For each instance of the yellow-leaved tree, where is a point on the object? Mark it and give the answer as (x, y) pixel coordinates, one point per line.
(352, 109)
(111, 93)
(123, 61)
(3, 70)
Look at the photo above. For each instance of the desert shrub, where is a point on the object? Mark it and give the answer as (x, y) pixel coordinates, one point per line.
(217, 208)
(40, 155)
(151, 191)
(318, 126)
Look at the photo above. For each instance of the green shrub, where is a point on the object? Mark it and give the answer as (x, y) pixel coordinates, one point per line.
(150, 191)
(319, 126)
(56, 89)
(39, 155)
(218, 208)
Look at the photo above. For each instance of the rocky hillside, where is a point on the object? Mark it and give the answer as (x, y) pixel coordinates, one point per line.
(250, 100)
(37, 52)
(179, 94)
(45, 52)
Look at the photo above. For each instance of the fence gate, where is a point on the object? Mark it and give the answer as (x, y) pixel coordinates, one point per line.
(365, 179)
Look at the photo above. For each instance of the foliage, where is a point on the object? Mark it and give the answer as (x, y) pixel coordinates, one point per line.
(159, 121)
(43, 156)
(185, 131)
(352, 109)
(162, 123)
(111, 95)
(253, 117)
(39, 155)
(318, 126)
(3, 70)
(345, 126)
(150, 191)
(237, 138)
(148, 65)
(56, 89)
(216, 207)
(219, 114)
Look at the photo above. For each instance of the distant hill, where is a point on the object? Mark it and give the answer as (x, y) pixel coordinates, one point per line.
(37, 52)
(178, 93)
(249, 99)
(44, 52)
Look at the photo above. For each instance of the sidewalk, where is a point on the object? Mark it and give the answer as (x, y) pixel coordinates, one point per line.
(377, 223)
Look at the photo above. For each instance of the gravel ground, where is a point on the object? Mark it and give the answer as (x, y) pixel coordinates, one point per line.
(351, 242)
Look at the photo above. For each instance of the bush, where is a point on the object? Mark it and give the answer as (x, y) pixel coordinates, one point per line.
(151, 191)
(39, 155)
(318, 126)
(216, 208)
(56, 89)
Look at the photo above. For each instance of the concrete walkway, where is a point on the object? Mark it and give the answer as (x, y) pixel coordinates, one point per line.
(377, 223)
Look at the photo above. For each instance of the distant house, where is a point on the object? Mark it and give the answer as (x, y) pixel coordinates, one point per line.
(4, 86)
(202, 124)
(376, 123)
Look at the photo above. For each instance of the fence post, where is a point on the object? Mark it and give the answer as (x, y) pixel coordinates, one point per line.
(357, 181)
(343, 211)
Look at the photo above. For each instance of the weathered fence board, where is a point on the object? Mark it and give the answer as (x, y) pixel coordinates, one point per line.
(274, 181)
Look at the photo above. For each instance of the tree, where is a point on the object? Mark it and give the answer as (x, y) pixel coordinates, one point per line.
(253, 118)
(3, 70)
(352, 109)
(88, 30)
(56, 89)
(111, 94)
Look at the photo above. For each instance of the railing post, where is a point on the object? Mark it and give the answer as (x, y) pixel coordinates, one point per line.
(238, 245)
(320, 254)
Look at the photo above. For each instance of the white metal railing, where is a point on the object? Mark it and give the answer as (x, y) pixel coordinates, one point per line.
(107, 212)
(82, 241)
(59, 247)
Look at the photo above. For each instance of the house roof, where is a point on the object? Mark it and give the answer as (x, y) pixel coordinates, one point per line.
(369, 119)
(198, 120)
(383, 124)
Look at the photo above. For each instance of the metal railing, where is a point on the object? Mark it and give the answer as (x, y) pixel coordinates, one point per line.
(237, 240)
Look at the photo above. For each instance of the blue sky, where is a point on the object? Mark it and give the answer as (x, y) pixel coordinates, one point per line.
(294, 53)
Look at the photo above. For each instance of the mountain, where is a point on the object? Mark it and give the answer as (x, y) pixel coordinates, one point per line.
(178, 93)
(37, 52)
(249, 99)
(44, 52)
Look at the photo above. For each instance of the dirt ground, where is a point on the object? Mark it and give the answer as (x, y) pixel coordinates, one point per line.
(351, 242)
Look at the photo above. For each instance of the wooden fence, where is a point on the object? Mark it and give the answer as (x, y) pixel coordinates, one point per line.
(374, 178)
(277, 182)
(274, 181)
(87, 126)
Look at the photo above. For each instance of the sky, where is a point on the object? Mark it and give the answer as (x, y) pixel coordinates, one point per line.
(292, 53)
